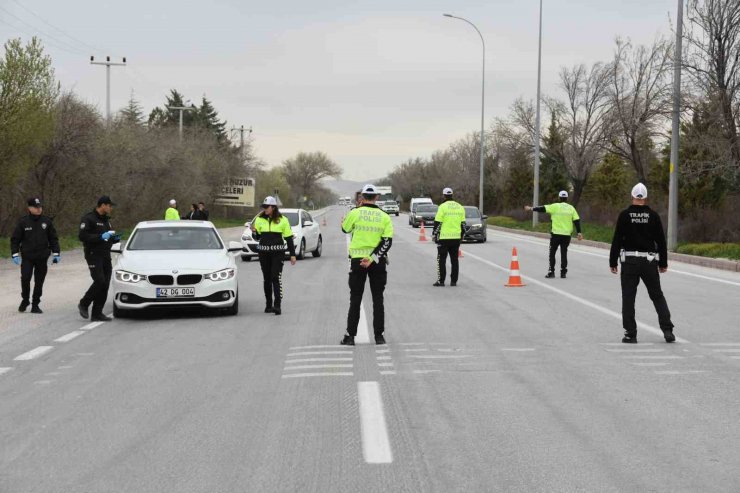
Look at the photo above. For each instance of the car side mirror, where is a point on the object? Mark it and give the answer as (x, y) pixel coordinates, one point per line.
(235, 246)
(307, 223)
(484, 217)
(117, 247)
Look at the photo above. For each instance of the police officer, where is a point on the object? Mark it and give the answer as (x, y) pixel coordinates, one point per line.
(639, 241)
(449, 228)
(97, 237)
(33, 240)
(372, 235)
(272, 229)
(171, 214)
(564, 216)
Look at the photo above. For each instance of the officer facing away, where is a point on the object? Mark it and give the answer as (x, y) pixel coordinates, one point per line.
(449, 228)
(97, 237)
(372, 235)
(33, 240)
(639, 241)
(171, 213)
(564, 216)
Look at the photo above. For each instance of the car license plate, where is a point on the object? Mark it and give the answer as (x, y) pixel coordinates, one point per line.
(175, 292)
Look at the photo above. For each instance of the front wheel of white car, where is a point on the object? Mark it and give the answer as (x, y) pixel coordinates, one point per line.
(233, 309)
(302, 250)
(120, 312)
(246, 258)
(317, 253)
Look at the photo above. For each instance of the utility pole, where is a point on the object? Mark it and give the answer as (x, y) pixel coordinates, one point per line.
(536, 198)
(108, 65)
(241, 131)
(181, 109)
(673, 182)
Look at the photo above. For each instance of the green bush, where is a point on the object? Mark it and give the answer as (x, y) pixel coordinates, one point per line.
(714, 250)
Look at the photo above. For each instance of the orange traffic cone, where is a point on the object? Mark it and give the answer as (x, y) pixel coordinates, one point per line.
(515, 280)
(422, 233)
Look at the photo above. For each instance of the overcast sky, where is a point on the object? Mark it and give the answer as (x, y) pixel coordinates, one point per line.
(370, 82)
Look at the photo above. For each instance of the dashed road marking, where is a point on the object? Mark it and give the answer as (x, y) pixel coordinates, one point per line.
(376, 446)
(43, 382)
(440, 356)
(70, 336)
(518, 349)
(635, 350)
(385, 365)
(387, 372)
(650, 364)
(677, 372)
(727, 350)
(363, 331)
(316, 360)
(312, 367)
(311, 353)
(91, 325)
(326, 346)
(318, 374)
(33, 353)
(652, 357)
(381, 358)
(4, 370)
(412, 350)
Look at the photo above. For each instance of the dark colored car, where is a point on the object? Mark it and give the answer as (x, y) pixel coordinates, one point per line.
(475, 223)
(423, 212)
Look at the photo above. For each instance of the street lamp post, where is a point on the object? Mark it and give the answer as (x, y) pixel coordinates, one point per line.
(536, 197)
(482, 108)
(675, 131)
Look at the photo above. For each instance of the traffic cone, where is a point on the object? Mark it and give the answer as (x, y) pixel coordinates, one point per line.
(422, 233)
(515, 280)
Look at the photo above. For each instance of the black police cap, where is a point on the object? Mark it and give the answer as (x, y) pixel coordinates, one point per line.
(34, 202)
(105, 200)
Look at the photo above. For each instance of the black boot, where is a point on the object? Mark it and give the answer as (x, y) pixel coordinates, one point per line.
(438, 284)
(563, 273)
(276, 309)
(100, 317)
(268, 306)
(22, 307)
(348, 340)
(629, 338)
(83, 310)
(550, 275)
(36, 309)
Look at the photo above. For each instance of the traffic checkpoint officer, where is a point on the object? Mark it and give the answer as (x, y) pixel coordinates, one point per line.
(372, 235)
(97, 237)
(171, 213)
(272, 229)
(449, 228)
(639, 242)
(33, 241)
(564, 216)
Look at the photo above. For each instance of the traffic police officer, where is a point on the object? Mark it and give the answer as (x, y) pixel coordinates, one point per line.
(171, 213)
(372, 235)
(272, 229)
(33, 240)
(449, 228)
(639, 241)
(564, 217)
(97, 237)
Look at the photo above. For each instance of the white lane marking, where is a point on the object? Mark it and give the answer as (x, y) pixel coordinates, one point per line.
(382, 350)
(650, 364)
(578, 299)
(70, 336)
(43, 382)
(720, 344)
(629, 356)
(315, 360)
(3, 371)
(294, 348)
(635, 350)
(675, 372)
(411, 343)
(385, 364)
(600, 255)
(53, 374)
(381, 358)
(318, 374)
(411, 350)
(33, 353)
(66, 367)
(387, 372)
(623, 344)
(376, 446)
(311, 353)
(363, 331)
(426, 371)
(91, 325)
(521, 349)
(440, 356)
(726, 350)
(310, 367)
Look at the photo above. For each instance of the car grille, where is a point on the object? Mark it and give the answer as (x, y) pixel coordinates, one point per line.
(161, 280)
(189, 279)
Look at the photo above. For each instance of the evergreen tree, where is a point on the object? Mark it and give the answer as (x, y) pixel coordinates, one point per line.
(553, 175)
(206, 116)
(163, 117)
(132, 114)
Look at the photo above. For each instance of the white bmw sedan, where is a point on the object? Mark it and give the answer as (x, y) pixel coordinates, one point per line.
(175, 263)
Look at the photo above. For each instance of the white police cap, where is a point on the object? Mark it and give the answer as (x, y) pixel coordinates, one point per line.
(447, 191)
(269, 201)
(173, 202)
(639, 191)
(563, 194)
(369, 190)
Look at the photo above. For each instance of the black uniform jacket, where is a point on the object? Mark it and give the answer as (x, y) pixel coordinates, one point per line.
(92, 225)
(639, 229)
(34, 238)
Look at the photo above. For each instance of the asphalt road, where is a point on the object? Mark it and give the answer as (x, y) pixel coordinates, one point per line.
(480, 388)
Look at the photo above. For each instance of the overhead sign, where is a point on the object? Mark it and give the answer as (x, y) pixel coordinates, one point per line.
(238, 192)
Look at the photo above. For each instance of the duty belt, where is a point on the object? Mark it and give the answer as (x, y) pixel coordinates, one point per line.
(648, 255)
(272, 248)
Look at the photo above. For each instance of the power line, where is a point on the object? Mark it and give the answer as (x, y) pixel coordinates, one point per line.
(34, 28)
(87, 46)
(54, 45)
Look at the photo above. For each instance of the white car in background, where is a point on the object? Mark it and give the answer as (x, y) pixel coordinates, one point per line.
(175, 263)
(306, 236)
(390, 207)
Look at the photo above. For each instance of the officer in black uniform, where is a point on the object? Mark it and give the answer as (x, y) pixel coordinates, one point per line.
(33, 240)
(639, 241)
(97, 237)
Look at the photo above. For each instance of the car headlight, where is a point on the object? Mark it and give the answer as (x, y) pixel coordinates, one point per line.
(246, 237)
(222, 275)
(476, 226)
(123, 276)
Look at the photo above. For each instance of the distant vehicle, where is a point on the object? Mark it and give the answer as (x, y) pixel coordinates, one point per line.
(345, 201)
(175, 263)
(390, 207)
(415, 202)
(423, 213)
(306, 236)
(476, 229)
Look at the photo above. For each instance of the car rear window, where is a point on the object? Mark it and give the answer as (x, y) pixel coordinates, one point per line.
(175, 238)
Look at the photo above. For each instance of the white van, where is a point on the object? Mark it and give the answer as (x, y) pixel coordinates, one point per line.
(414, 203)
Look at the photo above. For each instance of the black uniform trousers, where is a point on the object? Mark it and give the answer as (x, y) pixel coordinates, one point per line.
(378, 276)
(100, 271)
(562, 241)
(451, 248)
(272, 276)
(36, 268)
(634, 269)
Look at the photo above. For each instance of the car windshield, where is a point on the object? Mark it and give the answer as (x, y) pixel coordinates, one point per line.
(426, 208)
(390, 202)
(472, 213)
(175, 238)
